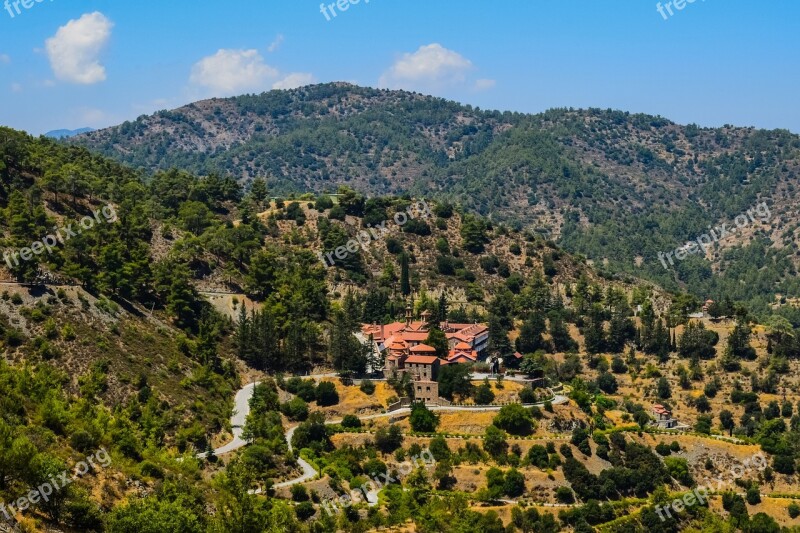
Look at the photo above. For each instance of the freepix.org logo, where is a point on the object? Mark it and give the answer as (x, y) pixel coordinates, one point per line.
(15, 7)
(63, 234)
(100, 460)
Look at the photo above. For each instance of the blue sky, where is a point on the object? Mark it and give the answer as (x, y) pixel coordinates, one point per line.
(74, 63)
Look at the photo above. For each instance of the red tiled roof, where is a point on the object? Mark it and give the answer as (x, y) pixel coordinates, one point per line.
(422, 359)
(469, 355)
(460, 358)
(423, 348)
(416, 336)
(463, 346)
(398, 345)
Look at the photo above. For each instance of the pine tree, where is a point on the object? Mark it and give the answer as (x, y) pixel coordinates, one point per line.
(347, 353)
(562, 340)
(530, 334)
(595, 334)
(259, 192)
(405, 283)
(441, 315)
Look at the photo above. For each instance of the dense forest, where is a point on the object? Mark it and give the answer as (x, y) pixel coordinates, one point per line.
(618, 188)
(125, 351)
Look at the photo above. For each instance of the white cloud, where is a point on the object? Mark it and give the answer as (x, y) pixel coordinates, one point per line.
(16, 87)
(294, 80)
(5, 59)
(484, 84)
(230, 72)
(432, 66)
(75, 49)
(276, 43)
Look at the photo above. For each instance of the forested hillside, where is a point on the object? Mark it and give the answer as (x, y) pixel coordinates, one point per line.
(616, 187)
(133, 335)
(109, 340)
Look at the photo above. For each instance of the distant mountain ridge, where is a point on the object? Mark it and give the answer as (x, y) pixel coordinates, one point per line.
(617, 187)
(63, 134)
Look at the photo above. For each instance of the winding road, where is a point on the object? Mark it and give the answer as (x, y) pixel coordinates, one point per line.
(242, 409)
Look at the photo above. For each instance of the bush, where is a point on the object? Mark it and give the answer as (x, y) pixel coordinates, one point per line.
(678, 468)
(663, 449)
(388, 440)
(484, 394)
(326, 394)
(565, 495)
(149, 469)
(299, 493)
(515, 419)
(82, 441)
(422, 419)
(305, 389)
(295, 409)
(538, 457)
(351, 421)
(794, 510)
(514, 483)
(703, 424)
(753, 496)
(367, 387)
(527, 396)
(565, 450)
(304, 511)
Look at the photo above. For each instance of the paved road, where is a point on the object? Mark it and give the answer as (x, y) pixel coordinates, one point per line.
(242, 409)
(309, 472)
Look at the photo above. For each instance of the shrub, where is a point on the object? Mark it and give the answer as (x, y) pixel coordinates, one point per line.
(351, 421)
(484, 394)
(565, 450)
(753, 495)
(565, 495)
(515, 419)
(422, 419)
(527, 396)
(388, 440)
(82, 441)
(514, 483)
(538, 457)
(149, 469)
(295, 409)
(663, 449)
(304, 511)
(794, 510)
(367, 387)
(326, 394)
(299, 493)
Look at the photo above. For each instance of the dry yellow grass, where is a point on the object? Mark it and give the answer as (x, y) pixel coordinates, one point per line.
(353, 401)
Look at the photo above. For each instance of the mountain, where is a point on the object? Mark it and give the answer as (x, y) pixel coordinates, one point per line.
(63, 134)
(166, 293)
(619, 188)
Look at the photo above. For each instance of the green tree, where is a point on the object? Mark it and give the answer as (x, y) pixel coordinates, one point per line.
(405, 283)
(514, 483)
(483, 393)
(422, 419)
(437, 339)
(494, 442)
(515, 419)
(455, 380)
(663, 389)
